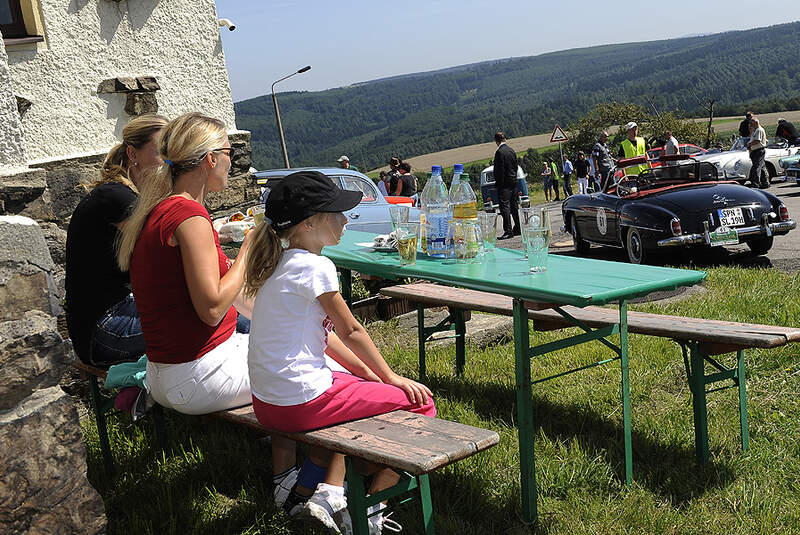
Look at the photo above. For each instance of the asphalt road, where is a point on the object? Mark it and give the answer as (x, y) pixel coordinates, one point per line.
(783, 255)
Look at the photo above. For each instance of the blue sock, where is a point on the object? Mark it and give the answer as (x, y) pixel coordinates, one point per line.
(311, 475)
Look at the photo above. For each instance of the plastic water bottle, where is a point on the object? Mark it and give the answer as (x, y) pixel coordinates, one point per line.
(458, 169)
(435, 212)
(463, 199)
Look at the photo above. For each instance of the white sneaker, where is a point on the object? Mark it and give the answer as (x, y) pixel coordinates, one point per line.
(328, 508)
(282, 489)
(381, 522)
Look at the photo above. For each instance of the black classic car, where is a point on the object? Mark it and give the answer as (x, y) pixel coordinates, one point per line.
(682, 203)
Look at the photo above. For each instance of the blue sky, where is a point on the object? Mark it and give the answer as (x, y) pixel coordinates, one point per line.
(346, 42)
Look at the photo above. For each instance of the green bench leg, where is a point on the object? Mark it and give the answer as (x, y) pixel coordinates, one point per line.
(426, 503)
(740, 379)
(699, 403)
(461, 335)
(421, 338)
(100, 419)
(357, 500)
(626, 391)
(522, 372)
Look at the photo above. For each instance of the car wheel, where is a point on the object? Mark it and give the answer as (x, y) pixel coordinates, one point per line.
(581, 245)
(760, 246)
(634, 246)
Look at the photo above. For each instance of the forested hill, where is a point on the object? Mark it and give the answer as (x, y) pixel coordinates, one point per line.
(426, 112)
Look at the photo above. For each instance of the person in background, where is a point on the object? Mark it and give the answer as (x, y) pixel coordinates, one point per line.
(344, 163)
(547, 182)
(759, 177)
(554, 179)
(298, 312)
(394, 172)
(407, 183)
(383, 182)
(505, 180)
(186, 289)
(603, 162)
(631, 147)
(582, 172)
(787, 131)
(102, 319)
(671, 146)
(567, 167)
(744, 126)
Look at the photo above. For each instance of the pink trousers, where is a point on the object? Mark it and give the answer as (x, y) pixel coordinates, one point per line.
(348, 398)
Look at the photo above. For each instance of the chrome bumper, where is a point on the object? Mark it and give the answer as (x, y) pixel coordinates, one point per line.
(769, 229)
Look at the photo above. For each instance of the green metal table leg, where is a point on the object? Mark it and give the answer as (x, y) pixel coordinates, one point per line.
(356, 500)
(421, 338)
(699, 407)
(740, 378)
(626, 391)
(522, 371)
(461, 335)
(102, 430)
(347, 287)
(426, 503)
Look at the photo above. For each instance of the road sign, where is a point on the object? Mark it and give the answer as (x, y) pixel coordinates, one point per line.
(558, 135)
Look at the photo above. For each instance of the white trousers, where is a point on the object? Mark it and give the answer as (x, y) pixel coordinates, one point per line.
(216, 381)
(583, 185)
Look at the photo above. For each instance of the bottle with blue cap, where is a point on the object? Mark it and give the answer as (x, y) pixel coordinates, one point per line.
(458, 169)
(435, 212)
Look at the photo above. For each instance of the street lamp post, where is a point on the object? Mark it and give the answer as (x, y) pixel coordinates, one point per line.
(278, 114)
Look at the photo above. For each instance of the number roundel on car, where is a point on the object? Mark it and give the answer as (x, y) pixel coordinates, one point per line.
(602, 221)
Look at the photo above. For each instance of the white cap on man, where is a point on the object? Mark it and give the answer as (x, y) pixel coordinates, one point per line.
(631, 125)
(343, 158)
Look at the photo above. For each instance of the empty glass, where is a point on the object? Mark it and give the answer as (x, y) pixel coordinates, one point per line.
(535, 228)
(406, 234)
(399, 214)
(488, 223)
(465, 240)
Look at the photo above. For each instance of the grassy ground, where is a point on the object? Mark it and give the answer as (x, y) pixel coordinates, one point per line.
(215, 479)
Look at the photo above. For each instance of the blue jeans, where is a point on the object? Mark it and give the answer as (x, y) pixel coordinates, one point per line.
(117, 335)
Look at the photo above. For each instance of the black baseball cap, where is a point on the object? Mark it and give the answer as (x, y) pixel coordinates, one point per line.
(300, 195)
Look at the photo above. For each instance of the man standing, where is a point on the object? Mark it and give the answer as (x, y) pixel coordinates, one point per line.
(603, 162)
(567, 167)
(547, 183)
(759, 177)
(344, 163)
(671, 147)
(554, 178)
(744, 126)
(582, 171)
(787, 131)
(633, 146)
(382, 183)
(505, 180)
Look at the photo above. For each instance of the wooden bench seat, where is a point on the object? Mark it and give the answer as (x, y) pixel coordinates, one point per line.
(412, 444)
(699, 339)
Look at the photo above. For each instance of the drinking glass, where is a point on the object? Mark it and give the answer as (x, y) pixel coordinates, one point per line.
(407, 242)
(535, 227)
(465, 240)
(258, 213)
(399, 214)
(488, 223)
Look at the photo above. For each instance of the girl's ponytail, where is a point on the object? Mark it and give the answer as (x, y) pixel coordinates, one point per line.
(262, 258)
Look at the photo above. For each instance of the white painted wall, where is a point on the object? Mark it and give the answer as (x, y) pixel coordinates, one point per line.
(12, 140)
(88, 41)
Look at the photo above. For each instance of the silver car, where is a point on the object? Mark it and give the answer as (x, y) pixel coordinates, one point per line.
(735, 163)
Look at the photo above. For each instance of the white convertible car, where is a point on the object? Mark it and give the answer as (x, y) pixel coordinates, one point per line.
(735, 163)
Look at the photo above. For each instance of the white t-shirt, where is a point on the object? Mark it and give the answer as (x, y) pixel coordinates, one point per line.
(289, 330)
(759, 137)
(671, 147)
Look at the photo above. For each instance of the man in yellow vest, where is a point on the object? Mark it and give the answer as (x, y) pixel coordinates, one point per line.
(633, 146)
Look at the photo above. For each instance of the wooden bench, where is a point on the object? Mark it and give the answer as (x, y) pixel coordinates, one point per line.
(700, 339)
(411, 444)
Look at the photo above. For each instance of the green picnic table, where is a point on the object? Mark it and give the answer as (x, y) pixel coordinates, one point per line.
(568, 281)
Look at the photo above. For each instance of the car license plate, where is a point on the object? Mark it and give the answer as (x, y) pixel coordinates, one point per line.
(730, 217)
(723, 236)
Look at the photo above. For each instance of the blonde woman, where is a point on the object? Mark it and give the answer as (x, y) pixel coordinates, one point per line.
(101, 314)
(184, 285)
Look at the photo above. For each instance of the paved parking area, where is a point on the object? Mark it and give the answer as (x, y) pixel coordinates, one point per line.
(784, 255)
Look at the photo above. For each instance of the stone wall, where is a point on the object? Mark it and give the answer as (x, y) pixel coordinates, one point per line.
(44, 488)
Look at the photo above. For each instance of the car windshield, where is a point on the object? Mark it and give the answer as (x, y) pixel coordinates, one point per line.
(367, 188)
(683, 172)
(741, 144)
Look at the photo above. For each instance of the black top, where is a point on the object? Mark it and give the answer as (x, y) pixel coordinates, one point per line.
(505, 167)
(744, 128)
(787, 131)
(581, 168)
(394, 176)
(93, 280)
(408, 185)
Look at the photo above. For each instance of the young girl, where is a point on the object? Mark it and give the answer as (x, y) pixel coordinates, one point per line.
(297, 304)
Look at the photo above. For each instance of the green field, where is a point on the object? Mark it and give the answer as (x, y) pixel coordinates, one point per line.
(215, 479)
